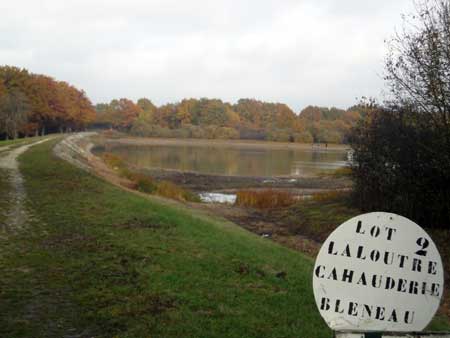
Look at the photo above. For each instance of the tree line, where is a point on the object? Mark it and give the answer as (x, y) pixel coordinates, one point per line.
(215, 119)
(35, 104)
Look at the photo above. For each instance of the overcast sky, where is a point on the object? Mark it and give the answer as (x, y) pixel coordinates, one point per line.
(320, 52)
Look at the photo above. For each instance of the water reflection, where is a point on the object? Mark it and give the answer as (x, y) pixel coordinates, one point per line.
(242, 161)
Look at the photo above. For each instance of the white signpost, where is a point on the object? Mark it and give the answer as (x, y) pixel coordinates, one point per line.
(378, 272)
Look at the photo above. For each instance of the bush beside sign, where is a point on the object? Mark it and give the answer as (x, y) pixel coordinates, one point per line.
(378, 272)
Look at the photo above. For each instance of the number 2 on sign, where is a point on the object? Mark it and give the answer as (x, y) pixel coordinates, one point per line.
(423, 243)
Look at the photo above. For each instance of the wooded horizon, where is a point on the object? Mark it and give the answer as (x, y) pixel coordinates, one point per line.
(32, 104)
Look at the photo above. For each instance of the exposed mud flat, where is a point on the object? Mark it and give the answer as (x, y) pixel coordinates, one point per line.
(265, 224)
(219, 183)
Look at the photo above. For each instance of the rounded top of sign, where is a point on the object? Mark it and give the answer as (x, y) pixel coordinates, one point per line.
(378, 272)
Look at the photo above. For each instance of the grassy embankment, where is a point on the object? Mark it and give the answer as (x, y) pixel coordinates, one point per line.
(97, 261)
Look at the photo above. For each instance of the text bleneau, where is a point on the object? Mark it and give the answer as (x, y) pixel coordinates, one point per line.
(367, 311)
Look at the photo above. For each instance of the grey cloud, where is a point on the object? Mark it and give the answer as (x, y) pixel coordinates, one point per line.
(300, 52)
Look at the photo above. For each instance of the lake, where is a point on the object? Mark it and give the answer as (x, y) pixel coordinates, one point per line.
(233, 159)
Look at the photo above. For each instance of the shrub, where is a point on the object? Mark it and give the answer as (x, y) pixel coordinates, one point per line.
(226, 133)
(303, 137)
(113, 161)
(280, 135)
(402, 167)
(196, 131)
(192, 196)
(171, 190)
(140, 181)
(181, 133)
(145, 184)
(329, 136)
(210, 131)
(264, 199)
(127, 173)
(246, 133)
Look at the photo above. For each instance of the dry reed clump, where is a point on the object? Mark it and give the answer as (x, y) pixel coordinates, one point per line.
(329, 195)
(140, 181)
(264, 199)
(113, 161)
(145, 184)
(171, 190)
(342, 172)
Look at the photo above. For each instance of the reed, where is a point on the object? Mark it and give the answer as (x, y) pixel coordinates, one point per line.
(331, 195)
(113, 161)
(264, 199)
(342, 172)
(173, 191)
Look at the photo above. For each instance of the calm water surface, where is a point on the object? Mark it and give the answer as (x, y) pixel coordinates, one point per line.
(233, 160)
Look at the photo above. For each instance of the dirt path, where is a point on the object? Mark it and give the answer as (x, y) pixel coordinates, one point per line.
(5, 148)
(16, 215)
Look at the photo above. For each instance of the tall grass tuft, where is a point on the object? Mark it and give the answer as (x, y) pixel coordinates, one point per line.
(342, 172)
(331, 195)
(171, 190)
(264, 199)
(113, 161)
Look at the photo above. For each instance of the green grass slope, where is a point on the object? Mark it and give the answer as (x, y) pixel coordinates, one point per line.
(94, 260)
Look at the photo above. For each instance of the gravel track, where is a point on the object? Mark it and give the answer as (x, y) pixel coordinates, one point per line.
(17, 214)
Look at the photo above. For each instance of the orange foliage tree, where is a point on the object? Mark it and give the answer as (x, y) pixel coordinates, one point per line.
(34, 104)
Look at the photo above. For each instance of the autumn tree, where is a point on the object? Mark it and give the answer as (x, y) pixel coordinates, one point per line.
(40, 104)
(125, 113)
(145, 121)
(402, 148)
(14, 110)
(418, 64)
(146, 105)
